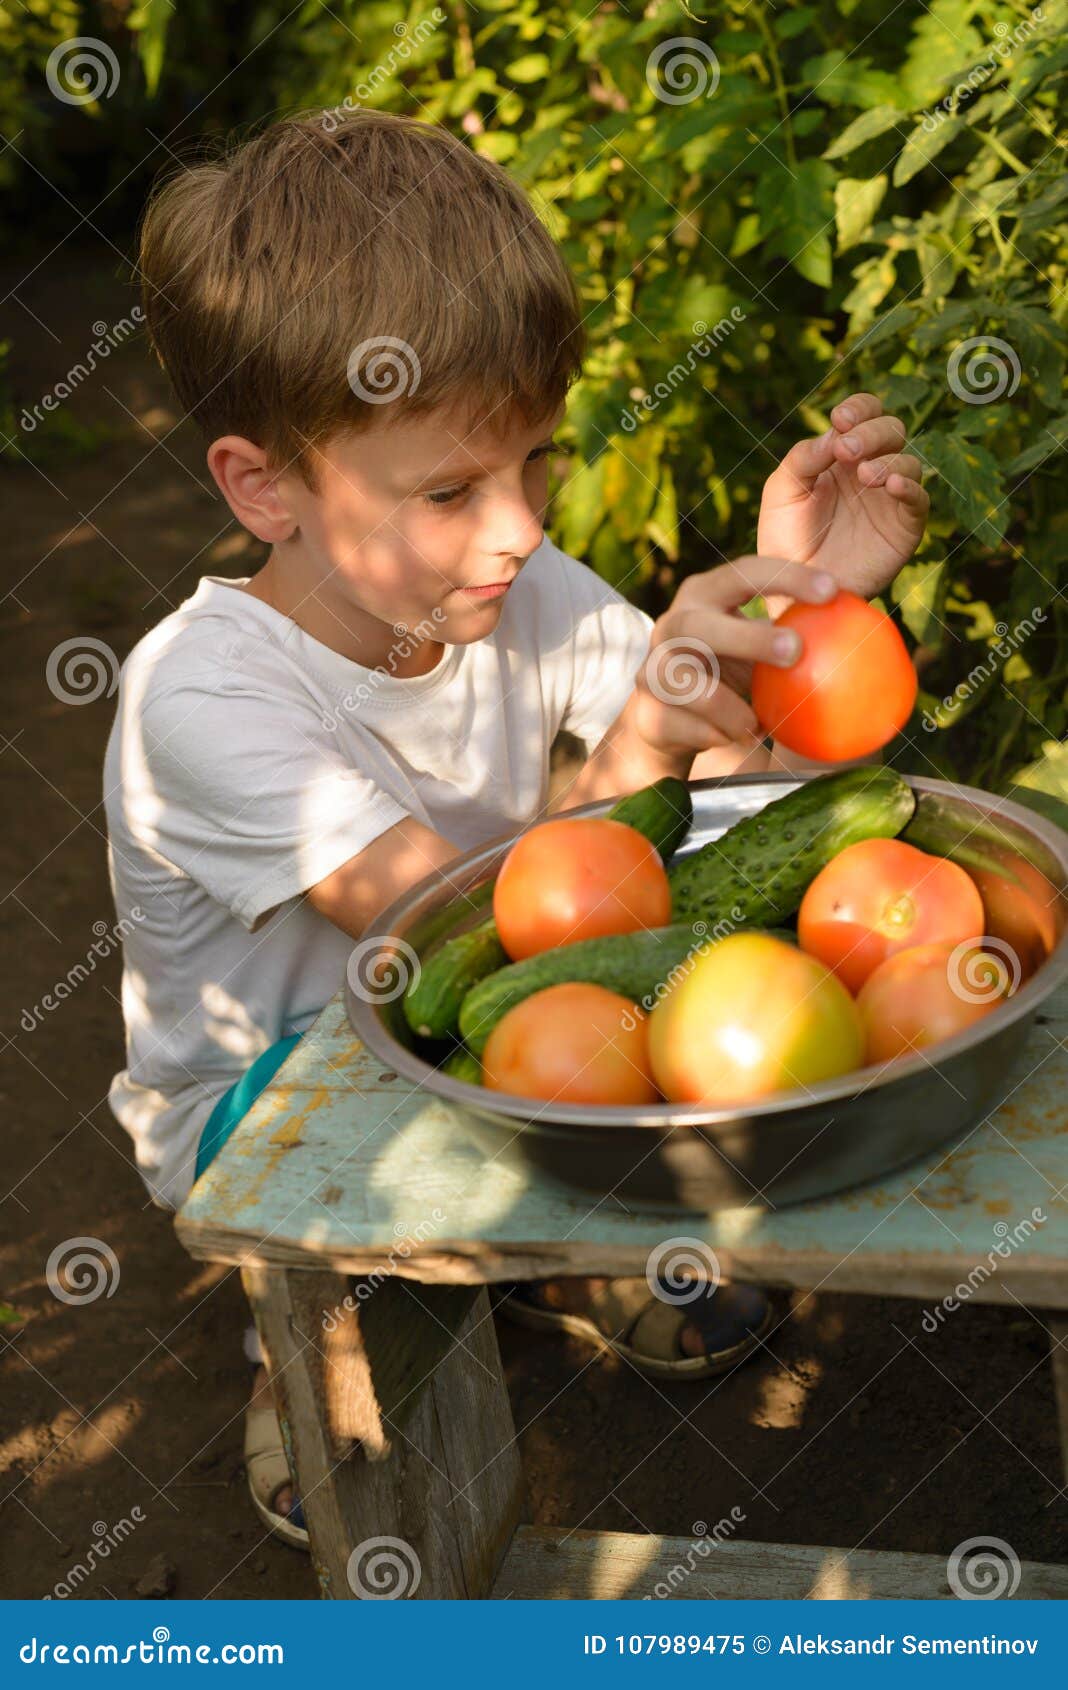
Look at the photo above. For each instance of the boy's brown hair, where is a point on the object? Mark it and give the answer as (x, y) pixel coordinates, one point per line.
(276, 276)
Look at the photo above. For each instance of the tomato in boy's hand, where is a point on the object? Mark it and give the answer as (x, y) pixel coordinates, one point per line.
(578, 878)
(928, 993)
(572, 1043)
(750, 1017)
(881, 896)
(850, 691)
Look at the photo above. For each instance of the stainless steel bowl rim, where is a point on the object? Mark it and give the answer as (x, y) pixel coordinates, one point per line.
(397, 1058)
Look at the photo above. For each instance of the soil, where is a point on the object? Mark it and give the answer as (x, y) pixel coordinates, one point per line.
(122, 1418)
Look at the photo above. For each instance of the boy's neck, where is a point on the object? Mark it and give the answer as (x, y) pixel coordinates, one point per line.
(342, 626)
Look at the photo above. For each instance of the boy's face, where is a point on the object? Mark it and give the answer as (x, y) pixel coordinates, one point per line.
(412, 515)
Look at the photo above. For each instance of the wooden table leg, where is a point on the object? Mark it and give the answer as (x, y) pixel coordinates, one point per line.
(398, 1428)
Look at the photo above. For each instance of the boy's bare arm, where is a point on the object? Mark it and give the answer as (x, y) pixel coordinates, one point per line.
(360, 889)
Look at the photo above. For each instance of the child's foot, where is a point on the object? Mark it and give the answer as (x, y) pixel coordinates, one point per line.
(659, 1335)
(269, 1479)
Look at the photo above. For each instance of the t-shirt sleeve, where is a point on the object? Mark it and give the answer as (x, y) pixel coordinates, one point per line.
(609, 642)
(247, 795)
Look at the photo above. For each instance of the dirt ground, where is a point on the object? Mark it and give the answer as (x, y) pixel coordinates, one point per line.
(852, 1428)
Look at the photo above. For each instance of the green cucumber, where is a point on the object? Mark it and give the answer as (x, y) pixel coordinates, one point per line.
(662, 812)
(461, 1065)
(432, 1002)
(757, 872)
(636, 965)
(944, 827)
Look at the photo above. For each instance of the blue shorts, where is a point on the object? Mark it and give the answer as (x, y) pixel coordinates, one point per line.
(235, 1104)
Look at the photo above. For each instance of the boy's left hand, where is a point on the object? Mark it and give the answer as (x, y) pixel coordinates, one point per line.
(857, 513)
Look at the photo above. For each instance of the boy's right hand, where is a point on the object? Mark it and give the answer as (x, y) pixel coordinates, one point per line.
(691, 690)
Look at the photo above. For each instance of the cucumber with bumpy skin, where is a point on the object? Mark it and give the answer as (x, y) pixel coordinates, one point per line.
(662, 812)
(635, 965)
(757, 872)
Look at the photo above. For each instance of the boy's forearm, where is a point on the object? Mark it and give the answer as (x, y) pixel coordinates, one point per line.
(623, 762)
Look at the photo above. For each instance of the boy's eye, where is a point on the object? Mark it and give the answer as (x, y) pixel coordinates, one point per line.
(446, 495)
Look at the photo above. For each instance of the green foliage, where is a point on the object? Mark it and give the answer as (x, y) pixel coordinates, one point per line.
(843, 204)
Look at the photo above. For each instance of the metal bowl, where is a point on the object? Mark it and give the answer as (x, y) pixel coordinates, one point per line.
(801, 1144)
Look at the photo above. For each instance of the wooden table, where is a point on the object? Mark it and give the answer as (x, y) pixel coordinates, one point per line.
(393, 1404)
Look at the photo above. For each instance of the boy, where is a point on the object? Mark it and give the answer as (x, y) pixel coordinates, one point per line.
(376, 336)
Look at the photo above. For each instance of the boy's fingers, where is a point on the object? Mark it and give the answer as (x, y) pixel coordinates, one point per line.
(856, 408)
(734, 584)
(713, 634)
(806, 462)
(870, 439)
(874, 471)
(909, 492)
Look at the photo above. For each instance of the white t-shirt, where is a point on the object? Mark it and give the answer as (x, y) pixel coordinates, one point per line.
(247, 761)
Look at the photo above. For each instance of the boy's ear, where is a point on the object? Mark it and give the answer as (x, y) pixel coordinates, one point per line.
(250, 488)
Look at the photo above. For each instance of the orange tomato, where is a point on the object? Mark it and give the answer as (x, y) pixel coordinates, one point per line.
(881, 896)
(572, 1043)
(752, 1016)
(928, 993)
(850, 691)
(578, 878)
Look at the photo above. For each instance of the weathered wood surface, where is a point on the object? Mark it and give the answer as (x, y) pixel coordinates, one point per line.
(340, 1168)
(545, 1564)
(429, 1507)
(1058, 1330)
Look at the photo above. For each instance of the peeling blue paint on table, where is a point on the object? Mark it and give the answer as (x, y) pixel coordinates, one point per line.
(342, 1167)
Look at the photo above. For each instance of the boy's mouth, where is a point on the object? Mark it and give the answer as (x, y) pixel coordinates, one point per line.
(494, 590)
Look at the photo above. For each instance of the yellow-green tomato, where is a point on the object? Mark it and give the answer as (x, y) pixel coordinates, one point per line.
(748, 1017)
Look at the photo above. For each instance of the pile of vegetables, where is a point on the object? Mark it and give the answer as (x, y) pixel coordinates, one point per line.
(828, 931)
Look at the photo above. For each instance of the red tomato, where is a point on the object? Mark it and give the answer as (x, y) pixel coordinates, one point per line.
(751, 1016)
(572, 1043)
(881, 896)
(927, 993)
(851, 690)
(578, 878)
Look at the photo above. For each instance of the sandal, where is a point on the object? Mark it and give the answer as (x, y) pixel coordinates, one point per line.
(267, 1471)
(625, 1316)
